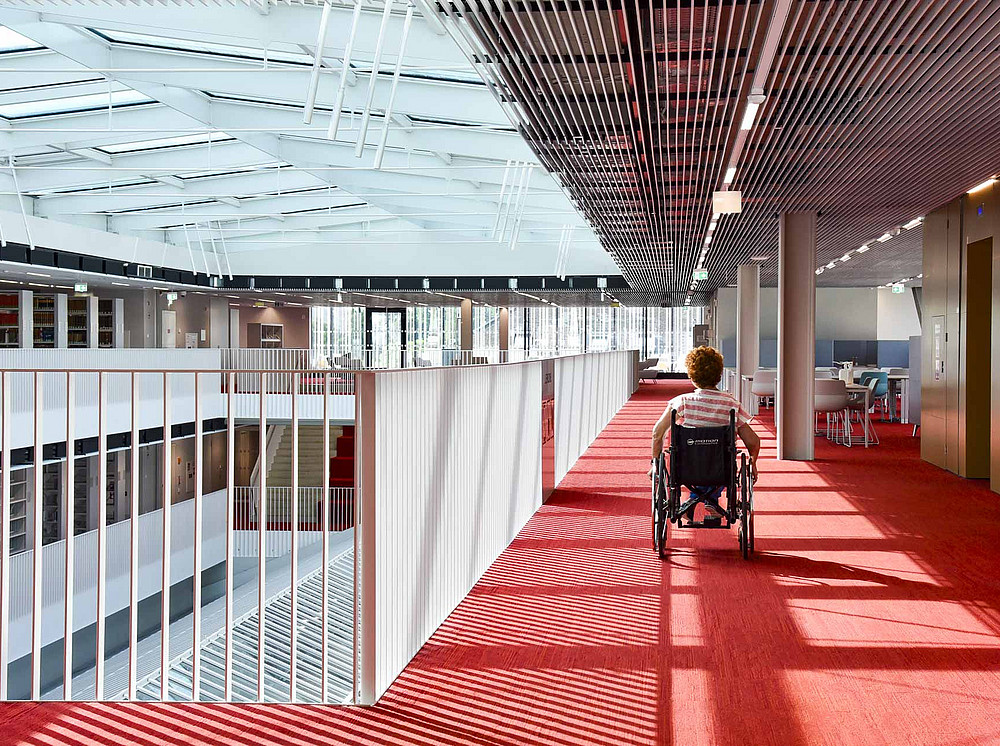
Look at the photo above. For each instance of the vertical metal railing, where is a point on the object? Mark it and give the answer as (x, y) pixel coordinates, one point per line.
(227, 673)
(262, 539)
(166, 548)
(293, 585)
(199, 444)
(95, 556)
(325, 550)
(133, 558)
(102, 536)
(5, 514)
(68, 538)
(36, 541)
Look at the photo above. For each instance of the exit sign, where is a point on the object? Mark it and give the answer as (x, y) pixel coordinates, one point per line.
(898, 288)
(701, 274)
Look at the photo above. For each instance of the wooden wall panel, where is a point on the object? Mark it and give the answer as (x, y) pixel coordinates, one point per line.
(974, 365)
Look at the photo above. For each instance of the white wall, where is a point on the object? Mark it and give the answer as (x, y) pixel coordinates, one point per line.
(897, 315)
(841, 313)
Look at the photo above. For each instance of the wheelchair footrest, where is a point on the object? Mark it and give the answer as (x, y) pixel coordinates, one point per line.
(701, 524)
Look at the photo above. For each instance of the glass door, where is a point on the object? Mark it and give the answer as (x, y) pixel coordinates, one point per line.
(385, 329)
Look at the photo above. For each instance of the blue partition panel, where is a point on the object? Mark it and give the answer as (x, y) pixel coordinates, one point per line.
(861, 351)
(894, 353)
(769, 353)
(824, 353)
(729, 350)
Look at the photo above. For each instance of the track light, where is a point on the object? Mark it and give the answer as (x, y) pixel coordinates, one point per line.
(749, 116)
(863, 249)
(730, 175)
(884, 237)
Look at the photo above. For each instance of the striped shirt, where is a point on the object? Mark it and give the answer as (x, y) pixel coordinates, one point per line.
(707, 408)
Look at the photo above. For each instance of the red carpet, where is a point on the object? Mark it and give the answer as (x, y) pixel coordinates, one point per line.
(871, 615)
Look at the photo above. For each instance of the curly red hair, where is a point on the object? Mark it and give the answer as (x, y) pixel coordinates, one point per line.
(704, 366)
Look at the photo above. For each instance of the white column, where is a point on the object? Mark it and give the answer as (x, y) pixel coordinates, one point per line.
(26, 318)
(747, 319)
(118, 322)
(796, 335)
(62, 321)
(92, 321)
(465, 325)
(504, 333)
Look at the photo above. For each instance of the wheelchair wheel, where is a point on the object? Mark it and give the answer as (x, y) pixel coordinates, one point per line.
(655, 513)
(661, 518)
(745, 529)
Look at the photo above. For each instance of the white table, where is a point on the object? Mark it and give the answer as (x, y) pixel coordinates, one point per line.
(902, 380)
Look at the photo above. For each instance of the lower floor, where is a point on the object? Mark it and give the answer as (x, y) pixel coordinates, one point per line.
(870, 615)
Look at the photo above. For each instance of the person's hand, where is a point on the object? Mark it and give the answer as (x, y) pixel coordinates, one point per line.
(650, 472)
(753, 470)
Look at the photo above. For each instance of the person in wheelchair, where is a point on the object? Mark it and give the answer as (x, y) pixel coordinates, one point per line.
(706, 406)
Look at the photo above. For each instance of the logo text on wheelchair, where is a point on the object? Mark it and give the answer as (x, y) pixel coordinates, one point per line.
(703, 441)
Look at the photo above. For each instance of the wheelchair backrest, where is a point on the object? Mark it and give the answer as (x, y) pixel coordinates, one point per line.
(703, 456)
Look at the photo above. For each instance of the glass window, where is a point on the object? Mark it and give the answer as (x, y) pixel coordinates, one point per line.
(11, 41)
(68, 104)
(338, 333)
(165, 142)
(486, 332)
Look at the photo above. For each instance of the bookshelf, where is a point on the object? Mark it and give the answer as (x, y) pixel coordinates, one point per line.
(77, 322)
(81, 486)
(44, 321)
(18, 510)
(269, 336)
(106, 322)
(51, 481)
(9, 320)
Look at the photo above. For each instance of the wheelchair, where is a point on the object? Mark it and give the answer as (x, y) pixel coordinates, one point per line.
(705, 457)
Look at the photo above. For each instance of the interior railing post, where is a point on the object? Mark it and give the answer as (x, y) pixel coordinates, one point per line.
(69, 540)
(36, 544)
(133, 515)
(230, 507)
(325, 538)
(165, 557)
(261, 535)
(102, 536)
(5, 407)
(199, 444)
(294, 580)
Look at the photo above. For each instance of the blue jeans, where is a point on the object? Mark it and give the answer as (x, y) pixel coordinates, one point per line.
(711, 493)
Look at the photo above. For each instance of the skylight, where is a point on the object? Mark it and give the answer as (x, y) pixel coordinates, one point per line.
(11, 41)
(272, 54)
(166, 142)
(67, 104)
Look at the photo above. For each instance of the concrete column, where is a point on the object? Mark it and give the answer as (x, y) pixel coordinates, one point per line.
(747, 320)
(62, 321)
(26, 319)
(504, 332)
(465, 325)
(796, 335)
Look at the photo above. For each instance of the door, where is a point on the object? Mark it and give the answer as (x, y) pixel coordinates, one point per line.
(385, 337)
(168, 329)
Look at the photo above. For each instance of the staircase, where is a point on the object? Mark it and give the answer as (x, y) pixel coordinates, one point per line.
(277, 643)
(279, 473)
